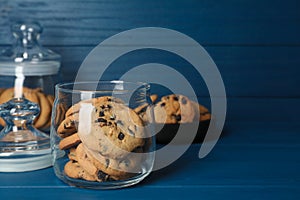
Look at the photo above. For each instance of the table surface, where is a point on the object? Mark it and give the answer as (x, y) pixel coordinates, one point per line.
(252, 160)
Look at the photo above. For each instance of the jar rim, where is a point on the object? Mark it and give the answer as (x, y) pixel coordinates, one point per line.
(74, 87)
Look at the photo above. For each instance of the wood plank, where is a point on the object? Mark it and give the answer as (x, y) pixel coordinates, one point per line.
(263, 109)
(246, 71)
(208, 22)
(245, 162)
(206, 192)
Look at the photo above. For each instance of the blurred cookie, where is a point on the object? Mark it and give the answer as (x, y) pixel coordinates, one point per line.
(202, 113)
(50, 99)
(28, 93)
(172, 109)
(1, 90)
(42, 121)
(45, 111)
(153, 97)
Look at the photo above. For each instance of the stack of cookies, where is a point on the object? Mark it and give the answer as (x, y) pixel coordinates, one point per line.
(174, 110)
(104, 140)
(43, 120)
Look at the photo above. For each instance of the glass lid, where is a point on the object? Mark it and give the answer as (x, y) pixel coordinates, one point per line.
(26, 54)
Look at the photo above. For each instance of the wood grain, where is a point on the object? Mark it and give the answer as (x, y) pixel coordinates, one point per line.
(246, 71)
(255, 44)
(230, 22)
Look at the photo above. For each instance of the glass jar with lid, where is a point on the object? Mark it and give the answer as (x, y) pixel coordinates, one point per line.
(28, 74)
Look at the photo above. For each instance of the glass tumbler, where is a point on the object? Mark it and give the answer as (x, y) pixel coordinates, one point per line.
(99, 139)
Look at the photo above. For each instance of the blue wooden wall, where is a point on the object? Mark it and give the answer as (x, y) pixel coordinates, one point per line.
(255, 44)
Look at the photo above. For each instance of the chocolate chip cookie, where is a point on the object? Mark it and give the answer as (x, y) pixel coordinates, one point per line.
(73, 170)
(121, 168)
(172, 109)
(115, 129)
(70, 141)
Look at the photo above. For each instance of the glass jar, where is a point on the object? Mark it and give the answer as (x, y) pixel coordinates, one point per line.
(97, 139)
(28, 74)
(29, 69)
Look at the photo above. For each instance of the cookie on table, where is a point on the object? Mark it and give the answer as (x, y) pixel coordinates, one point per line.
(173, 109)
(202, 113)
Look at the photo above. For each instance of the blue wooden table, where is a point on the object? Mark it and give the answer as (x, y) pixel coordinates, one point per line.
(254, 160)
(256, 47)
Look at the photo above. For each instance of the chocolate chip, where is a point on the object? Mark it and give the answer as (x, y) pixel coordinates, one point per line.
(101, 120)
(119, 122)
(162, 104)
(143, 110)
(101, 114)
(110, 178)
(175, 98)
(101, 175)
(131, 132)
(183, 100)
(107, 162)
(74, 113)
(112, 117)
(70, 125)
(109, 106)
(204, 113)
(138, 149)
(121, 136)
(104, 148)
(177, 117)
(127, 162)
